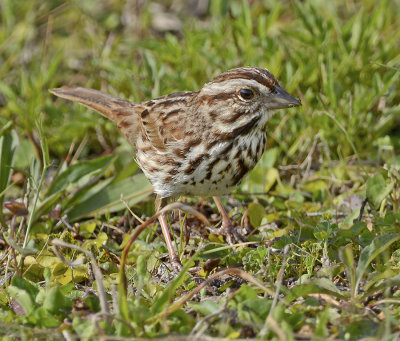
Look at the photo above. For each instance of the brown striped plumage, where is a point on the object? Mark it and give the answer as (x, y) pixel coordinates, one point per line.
(196, 143)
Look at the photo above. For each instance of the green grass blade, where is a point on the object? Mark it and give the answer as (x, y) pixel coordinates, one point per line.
(80, 173)
(108, 199)
(369, 253)
(8, 145)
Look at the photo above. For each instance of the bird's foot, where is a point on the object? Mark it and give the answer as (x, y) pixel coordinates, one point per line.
(230, 233)
(176, 265)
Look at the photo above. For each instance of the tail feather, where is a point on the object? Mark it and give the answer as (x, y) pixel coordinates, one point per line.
(109, 106)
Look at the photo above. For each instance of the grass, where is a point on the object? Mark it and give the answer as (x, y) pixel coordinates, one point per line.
(321, 209)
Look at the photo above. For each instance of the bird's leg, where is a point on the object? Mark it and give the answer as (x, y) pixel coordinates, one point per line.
(174, 259)
(227, 229)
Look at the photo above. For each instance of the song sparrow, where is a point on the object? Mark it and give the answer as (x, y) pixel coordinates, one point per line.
(196, 142)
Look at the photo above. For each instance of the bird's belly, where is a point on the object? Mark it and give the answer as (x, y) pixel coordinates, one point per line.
(214, 172)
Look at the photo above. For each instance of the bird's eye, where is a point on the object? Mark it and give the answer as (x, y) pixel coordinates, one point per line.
(246, 94)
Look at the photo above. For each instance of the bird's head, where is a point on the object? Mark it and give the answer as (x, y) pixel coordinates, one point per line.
(245, 92)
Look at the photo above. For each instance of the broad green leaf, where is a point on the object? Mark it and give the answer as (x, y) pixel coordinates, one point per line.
(245, 292)
(348, 221)
(47, 259)
(385, 283)
(255, 212)
(347, 257)
(45, 319)
(59, 269)
(254, 310)
(108, 199)
(314, 286)
(250, 307)
(86, 329)
(127, 171)
(377, 190)
(271, 177)
(269, 157)
(101, 237)
(88, 226)
(22, 297)
(378, 245)
(32, 270)
(141, 268)
(365, 329)
(85, 193)
(29, 250)
(47, 205)
(77, 274)
(24, 293)
(24, 154)
(80, 173)
(205, 308)
(55, 302)
(314, 186)
(326, 284)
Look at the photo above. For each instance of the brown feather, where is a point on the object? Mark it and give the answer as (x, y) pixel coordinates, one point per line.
(109, 106)
(122, 112)
(151, 130)
(196, 143)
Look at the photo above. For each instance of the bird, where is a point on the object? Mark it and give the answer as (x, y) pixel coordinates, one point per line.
(195, 143)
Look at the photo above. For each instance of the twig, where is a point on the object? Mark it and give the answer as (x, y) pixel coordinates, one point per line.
(96, 271)
(12, 235)
(70, 151)
(80, 148)
(318, 214)
(130, 211)
(364, 203)
(100, 138)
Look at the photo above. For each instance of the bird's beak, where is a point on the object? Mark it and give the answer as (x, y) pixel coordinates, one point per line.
(280, 99)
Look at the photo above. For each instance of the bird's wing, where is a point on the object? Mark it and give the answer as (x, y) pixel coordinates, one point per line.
(151, 129)
(165, 119)
(161, 120)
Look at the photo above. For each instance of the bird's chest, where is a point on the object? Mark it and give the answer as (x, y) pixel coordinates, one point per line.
(209, 168)
(225, 165)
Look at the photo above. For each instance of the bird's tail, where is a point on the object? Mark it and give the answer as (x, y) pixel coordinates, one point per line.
(114, 108)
